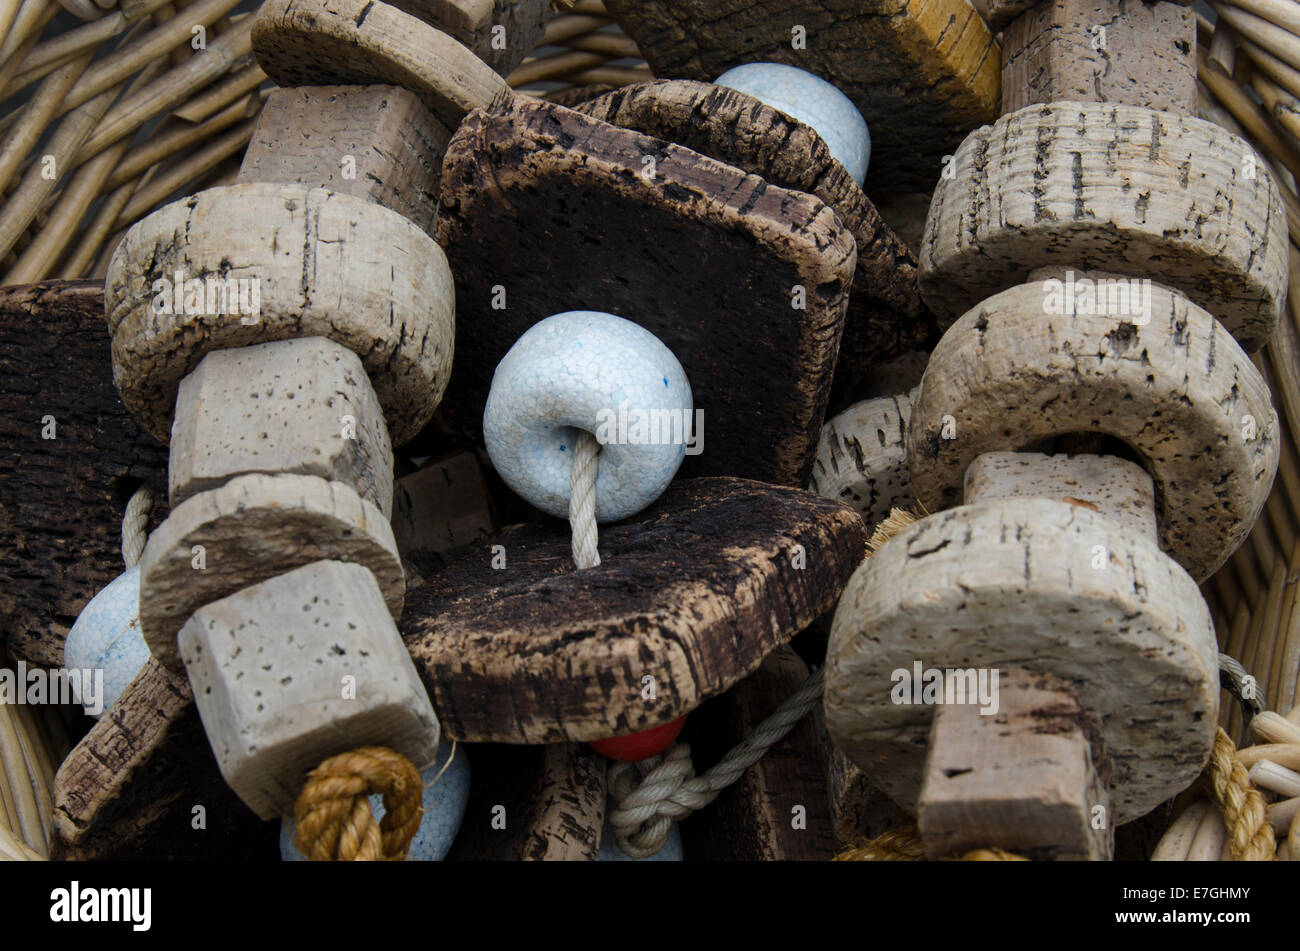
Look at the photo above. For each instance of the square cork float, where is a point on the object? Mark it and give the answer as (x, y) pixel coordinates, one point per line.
(303, 406)
(1129, 51)
(886, 316)
(922, 75)
(380, 143)
(545, 210)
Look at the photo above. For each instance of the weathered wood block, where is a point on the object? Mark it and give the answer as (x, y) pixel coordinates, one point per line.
(303, 406)
(375, 142)
(364, 42)
(475, 23)
(135, 785)
(1119, 489)
(885, 315)
(858, 809)
(316, 263)
(1012, 583)
(1130, 51)
(862, 458)
(1029, 778)
(568, 804)
(297, 668)
(998, 13)
(921, 75)
(60, 538)
(533, 803)
(1110, 187)
(778, 809)
(745, 282)
(517, 646)
(1009, 375)
(441, 509)
(253, 528)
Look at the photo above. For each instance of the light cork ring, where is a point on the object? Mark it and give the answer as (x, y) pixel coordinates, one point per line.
(1177, 389)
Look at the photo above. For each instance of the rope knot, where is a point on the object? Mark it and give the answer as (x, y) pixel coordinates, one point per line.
(669, 788)
(649, 796)
(333, 815)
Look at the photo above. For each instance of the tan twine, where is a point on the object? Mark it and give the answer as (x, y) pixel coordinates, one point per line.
(904, 845)
(333, 815)
(1250, 836)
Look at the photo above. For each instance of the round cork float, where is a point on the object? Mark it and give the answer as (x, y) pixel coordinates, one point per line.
(885, 316)
(862, 457)
(253, 528)
(325, 265)
(1094, 185)
(1012, 583)
(364, 42)
(1178, 390)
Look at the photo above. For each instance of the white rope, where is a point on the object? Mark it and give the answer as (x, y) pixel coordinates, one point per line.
(668, 788)
(135, 522)
(582, 500)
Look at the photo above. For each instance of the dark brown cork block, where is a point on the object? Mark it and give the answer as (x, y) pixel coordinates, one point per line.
(886, 316)
(64, 497)
(922, 75)
(546, 210)
(690, 596)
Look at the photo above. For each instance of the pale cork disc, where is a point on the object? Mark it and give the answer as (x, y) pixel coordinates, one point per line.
(327, 265)
(253, 528)
(1011, 583)
(1110, 187)
(1177, 390)
(326, 42)
(862, 458)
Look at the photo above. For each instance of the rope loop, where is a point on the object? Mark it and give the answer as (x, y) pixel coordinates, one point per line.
(333, 815)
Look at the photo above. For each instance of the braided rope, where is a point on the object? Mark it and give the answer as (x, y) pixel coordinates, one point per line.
(669, 789)
(333, 815)
(904, 845)
(897, 845)
(582, 500)
(135, 522)
(991, 855)
(1250, 836)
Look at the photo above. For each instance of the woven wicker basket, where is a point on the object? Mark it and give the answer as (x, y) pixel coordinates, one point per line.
(132, 121)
